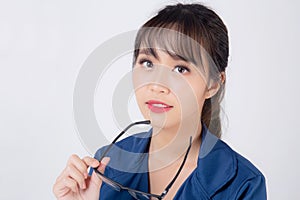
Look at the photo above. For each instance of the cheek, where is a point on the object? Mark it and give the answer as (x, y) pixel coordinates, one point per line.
(200, 90)
(139, 95)
(199, 86)
(191, 98)
(201, 96)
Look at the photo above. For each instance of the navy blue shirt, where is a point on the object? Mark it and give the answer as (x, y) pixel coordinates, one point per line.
(221, 173)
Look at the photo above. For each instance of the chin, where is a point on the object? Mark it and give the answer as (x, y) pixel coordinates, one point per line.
(162, 123)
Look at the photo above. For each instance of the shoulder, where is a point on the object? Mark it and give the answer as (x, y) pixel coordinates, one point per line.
(225, 173)
(247, 181)
(244, 166)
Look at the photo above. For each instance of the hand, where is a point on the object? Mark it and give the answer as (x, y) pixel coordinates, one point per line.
(74, 182)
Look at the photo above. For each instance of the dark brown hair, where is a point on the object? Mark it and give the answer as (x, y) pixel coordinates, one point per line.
(202, 25)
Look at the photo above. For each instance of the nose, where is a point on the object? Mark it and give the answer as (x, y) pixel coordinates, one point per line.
(158, 88)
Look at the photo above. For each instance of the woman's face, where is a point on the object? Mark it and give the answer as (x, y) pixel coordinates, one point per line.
(168, 89)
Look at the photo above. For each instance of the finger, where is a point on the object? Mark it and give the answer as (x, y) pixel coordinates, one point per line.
(104, 163)
(102, 166)
(77, 175)
(89, 161)
(63, 186)
(71, 184)
(96, 179)
(78, 163)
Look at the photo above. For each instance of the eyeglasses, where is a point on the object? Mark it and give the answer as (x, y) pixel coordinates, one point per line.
(137, 194)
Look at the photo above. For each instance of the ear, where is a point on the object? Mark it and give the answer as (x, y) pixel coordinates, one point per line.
(215, 86)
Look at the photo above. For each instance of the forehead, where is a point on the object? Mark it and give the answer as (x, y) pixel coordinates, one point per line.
(155, 53)
(177, 45)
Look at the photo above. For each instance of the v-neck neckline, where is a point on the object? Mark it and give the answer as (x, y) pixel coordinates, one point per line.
(148, 171)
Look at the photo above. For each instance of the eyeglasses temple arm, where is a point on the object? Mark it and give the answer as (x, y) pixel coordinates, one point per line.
(178, 172)
(120, 134)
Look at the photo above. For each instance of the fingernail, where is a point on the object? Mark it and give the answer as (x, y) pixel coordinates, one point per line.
(95, 163)
(85, 174)
(105, 160)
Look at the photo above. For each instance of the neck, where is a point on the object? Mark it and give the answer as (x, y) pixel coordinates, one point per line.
(177, 134)
(170, 143)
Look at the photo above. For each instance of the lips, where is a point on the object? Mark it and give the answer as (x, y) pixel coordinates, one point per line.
(158, 106)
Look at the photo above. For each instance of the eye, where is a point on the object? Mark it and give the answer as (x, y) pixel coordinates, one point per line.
(146, 63)
(181, 69)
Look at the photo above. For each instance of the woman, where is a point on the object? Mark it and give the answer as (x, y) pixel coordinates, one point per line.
(179, 66)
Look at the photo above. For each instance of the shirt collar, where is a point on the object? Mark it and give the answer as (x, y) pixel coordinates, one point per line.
(217, 164)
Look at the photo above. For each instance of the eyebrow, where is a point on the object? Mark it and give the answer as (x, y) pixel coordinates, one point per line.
(152, 52)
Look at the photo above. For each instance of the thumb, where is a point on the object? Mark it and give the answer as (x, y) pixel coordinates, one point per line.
(103, 164)
(96, 178)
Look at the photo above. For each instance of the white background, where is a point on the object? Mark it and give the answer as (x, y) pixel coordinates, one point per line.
(44, 43)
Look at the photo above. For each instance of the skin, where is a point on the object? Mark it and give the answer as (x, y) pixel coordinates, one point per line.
(189, 80)
(169, 141)
(74, 182)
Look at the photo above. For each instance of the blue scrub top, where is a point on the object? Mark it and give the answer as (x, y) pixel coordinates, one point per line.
(221, 173)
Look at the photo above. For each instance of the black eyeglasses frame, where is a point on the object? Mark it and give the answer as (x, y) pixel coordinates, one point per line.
(117, 186)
